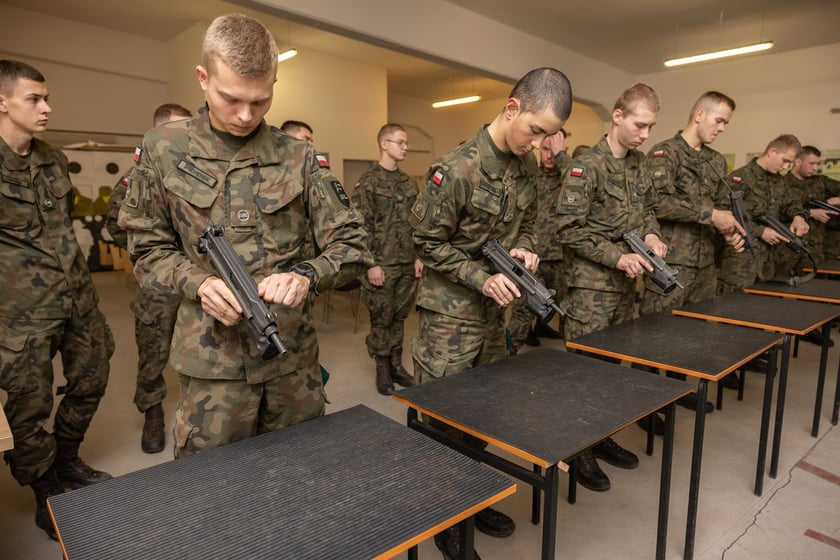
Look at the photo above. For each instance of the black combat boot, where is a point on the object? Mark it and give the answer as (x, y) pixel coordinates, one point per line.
(398, 372)
(384, 384)
(153, 439)
(47, 485)
(72, 471)
(532, 339)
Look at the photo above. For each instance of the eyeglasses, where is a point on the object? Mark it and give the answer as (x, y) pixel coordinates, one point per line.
(400, 143)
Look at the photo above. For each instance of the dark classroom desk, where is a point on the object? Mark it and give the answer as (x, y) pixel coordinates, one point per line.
(787, 316)
(545, 406)
(350, 485)
(683, 345)
(818, 289)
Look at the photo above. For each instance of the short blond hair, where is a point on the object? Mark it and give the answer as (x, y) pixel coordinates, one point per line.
(637, 96)
(241, 42)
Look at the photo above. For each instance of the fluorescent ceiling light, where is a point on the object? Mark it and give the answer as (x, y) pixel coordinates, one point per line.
(758, 47)
(286, 55)
(447, 103)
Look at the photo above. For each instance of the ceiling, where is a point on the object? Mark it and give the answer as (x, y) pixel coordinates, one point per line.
(635, 36)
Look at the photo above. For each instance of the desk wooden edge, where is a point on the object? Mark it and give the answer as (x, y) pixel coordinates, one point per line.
(7, 442)
(633, 359)
(484, 437)
(749, 324)
(57, 532)
(417, 539)
(790, 295)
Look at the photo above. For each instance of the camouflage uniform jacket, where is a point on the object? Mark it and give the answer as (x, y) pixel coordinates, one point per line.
(764, 193)
(549, 183)
(818, 187)
(473, 194)
(687, 187)
(267, 195)
(385, 202)
(45, 274)
(602, 199)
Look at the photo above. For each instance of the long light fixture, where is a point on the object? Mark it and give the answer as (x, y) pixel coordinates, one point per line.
(459, 101)
(757, 47)
(286, 55)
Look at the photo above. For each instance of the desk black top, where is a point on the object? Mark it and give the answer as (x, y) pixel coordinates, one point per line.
(818, 289)
(544, 405)
(697, 348)
(783, 315)
(353, 484)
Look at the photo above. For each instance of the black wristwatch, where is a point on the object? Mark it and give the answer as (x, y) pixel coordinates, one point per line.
(305, 269)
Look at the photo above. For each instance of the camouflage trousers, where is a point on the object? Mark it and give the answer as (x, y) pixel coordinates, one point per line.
(589, 311)
(447, 345)
(27, 348)
(553, 276)
(154, 321)
(215, 412)
(831, 243)
(388, 306)
(699, 284)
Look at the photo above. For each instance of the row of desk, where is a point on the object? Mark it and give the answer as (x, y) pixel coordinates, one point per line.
(339, 486)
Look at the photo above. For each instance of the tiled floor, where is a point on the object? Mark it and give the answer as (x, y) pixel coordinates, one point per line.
(798, 517)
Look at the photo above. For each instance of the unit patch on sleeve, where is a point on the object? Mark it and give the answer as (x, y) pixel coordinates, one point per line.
(659, 153)
(137, 151)
(576, 172)
(437, 178)
(736, 180)
(322, 161)
(339, 193)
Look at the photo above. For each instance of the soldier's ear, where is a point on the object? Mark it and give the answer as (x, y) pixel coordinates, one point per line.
(201, 72)
(4, 103)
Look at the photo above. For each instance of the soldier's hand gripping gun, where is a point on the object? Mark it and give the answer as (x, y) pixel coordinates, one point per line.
(261, 323)
(538, 298)
(663, 275)
(794, 244)
(819, 204)
(738, 211)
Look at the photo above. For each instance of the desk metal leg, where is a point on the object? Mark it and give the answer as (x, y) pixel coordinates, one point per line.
(665, 483)
(467, 538)
(696, 461)
(765, 421)
(535, 498)
(412, 553)
(549, 524)
(780, 406)
(836, 410)
(815, 425)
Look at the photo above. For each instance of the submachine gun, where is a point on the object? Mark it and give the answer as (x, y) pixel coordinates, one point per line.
(663, 274)
(538, 298)
(738, 210)
(261, 323)
(819, 204)
(795, 244)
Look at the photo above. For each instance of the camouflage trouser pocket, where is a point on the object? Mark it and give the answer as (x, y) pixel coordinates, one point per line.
(12, 356)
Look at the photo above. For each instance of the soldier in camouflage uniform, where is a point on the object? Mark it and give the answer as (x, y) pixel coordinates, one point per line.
(154, 317)
(765, 192)
(805, 183)
(268, 191)
(48, 303)
(607, 192)
(482, 190)
(387, 195)
(550, 271)
(687, 175)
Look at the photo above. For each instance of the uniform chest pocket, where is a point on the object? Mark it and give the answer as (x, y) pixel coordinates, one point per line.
(614, 187)
(488, 198)
(272, 197)
(61, 187)
(194, 192)
(17, 206)
(525, 197)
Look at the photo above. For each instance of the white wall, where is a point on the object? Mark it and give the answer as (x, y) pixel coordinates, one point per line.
(790, 92)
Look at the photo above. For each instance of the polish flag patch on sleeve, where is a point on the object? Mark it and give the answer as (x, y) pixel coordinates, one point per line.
(322, 161)
(437, 178)
(137, 151)
(659, 153)
(736, 180)
(576, 172)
